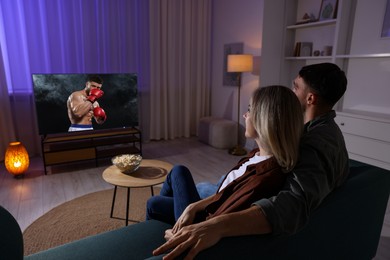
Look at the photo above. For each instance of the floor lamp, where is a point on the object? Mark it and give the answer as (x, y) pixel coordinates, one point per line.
(239, 63)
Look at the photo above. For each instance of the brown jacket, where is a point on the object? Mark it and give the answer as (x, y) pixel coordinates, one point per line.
(261, 180)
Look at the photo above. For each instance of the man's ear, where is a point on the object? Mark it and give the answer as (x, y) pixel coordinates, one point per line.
(311, 98)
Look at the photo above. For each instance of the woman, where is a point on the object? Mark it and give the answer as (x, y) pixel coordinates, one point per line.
(275, 121)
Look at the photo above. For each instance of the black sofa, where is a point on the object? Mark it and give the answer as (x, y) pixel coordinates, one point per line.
(346, 226)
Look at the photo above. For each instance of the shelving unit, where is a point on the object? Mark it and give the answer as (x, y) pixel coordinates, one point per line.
(89, 145)
(304, 33)
(364, 112)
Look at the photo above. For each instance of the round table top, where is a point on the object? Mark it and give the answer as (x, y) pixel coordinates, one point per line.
(150, 173)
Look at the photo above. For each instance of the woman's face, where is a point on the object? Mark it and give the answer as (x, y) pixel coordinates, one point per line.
(250, 131)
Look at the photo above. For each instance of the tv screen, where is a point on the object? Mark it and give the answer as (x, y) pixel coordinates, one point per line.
(75, 102)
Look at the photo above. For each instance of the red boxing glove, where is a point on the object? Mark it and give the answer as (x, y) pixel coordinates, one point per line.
(99, 114)
(95, 94)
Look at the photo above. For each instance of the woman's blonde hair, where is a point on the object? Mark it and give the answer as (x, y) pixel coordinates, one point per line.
(277, 117)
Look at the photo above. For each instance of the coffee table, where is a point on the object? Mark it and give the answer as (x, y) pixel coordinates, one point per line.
(149, 174)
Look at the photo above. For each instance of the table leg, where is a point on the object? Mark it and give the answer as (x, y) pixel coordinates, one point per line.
(151, 189)
(127, 206)
(113, 201)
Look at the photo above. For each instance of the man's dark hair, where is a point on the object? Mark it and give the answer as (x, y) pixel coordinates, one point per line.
(326, 80)
(95, 78)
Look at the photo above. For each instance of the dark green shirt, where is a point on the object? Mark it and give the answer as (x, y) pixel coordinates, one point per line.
(322, 166)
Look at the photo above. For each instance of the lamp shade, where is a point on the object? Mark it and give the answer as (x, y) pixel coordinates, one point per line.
(240, 63)
(16, 159)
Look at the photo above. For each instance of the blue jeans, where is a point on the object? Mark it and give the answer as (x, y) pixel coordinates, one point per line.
(178, 191)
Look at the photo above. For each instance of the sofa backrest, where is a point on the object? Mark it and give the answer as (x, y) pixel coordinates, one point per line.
(348, 223)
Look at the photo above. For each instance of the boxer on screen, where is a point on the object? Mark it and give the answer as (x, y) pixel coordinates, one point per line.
(83, 106)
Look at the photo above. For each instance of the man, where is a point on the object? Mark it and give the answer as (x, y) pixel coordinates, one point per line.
(321, 167)
(82, 105)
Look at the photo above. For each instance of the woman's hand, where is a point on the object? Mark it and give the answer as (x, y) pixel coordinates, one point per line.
(189, 214)
(168, 234)
(197, 237)
(186, 218)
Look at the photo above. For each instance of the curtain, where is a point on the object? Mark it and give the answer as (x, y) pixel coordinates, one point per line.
(6, 120)
(165, 42)
(62, 36)
(179, 66)
(7, 126)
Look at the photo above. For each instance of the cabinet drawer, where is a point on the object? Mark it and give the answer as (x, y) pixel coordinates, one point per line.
(369, 148)
(367, 140)
(370, 128)
(69, 156)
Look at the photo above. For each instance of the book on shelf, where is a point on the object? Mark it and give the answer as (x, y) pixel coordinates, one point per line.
(297, 49)
(303, 49)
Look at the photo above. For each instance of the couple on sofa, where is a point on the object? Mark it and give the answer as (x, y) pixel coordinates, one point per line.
(298, 162)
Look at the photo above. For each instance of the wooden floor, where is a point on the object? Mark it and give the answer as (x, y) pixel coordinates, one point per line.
(29, 198)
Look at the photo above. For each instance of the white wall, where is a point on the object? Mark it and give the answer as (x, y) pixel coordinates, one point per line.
(234, 21)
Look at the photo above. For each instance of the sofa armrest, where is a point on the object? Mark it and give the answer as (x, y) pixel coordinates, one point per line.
(131, 242)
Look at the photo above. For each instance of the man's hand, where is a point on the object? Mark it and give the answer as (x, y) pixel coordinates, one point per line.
(198, 237)
(100, 115)
(95, 94)
(194, 238)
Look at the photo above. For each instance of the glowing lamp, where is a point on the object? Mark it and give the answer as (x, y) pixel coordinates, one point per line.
(16, 159)
(239, 63)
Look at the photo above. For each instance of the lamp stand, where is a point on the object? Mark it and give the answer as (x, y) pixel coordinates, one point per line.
(238, 149)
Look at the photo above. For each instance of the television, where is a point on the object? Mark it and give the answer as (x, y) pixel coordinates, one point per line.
(119, 101)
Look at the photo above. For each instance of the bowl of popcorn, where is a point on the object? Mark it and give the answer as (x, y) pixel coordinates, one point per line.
(127, 163)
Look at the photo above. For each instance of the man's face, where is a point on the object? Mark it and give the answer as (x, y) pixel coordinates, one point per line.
(91, 85)
(301, 90)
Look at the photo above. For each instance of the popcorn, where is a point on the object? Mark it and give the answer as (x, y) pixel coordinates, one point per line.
(127, 162)
(127, 159)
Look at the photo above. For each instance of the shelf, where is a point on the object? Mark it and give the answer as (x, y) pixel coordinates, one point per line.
(360, 56)
(344, 56)
(312, 24)
(91, 145)
(111, 151)
(309, 58)
(120, 139)
(71, 136)
(69, 145)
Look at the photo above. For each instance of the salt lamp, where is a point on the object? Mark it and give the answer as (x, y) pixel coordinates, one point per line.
(16, 159)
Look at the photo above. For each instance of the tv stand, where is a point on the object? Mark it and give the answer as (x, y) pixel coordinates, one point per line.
(89, 145)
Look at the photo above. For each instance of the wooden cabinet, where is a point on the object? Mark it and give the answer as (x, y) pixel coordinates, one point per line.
(367, 138)
(357, 47)
(91, 145)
